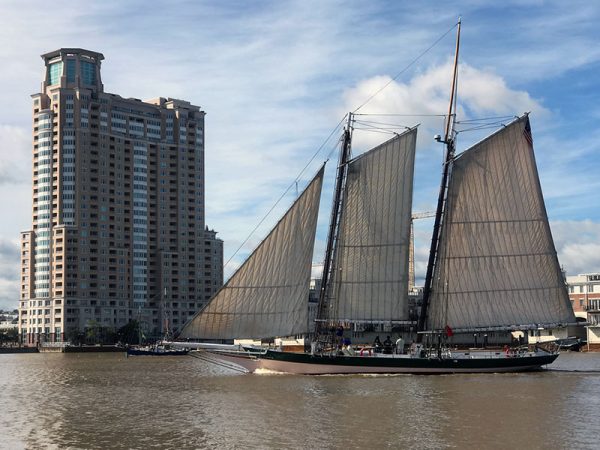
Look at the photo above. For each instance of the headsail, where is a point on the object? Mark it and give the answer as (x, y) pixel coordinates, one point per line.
(370, 276)
(497, 264)
(268, 295)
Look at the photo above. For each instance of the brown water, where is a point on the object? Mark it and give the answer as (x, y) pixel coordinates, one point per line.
(109, 401)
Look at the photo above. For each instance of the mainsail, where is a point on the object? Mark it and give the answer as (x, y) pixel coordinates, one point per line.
(497, 265)
(268, 294)
(369, 281)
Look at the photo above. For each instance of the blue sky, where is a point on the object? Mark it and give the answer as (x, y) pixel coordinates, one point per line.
(275, 77)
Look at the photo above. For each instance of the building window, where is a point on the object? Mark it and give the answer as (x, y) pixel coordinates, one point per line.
(88, 72)
(54, 72)
(70, 71)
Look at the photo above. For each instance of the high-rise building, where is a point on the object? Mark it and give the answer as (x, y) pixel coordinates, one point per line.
(118, 230)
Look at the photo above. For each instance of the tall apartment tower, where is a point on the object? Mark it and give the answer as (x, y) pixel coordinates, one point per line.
(118, 230)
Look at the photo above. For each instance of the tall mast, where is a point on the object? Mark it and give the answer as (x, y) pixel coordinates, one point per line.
(333, 235)
(437, 228)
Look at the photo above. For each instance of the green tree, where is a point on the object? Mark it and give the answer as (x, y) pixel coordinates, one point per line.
(92, 332)
(130, 333)
(109, 335)
(9, 336)
(74, 336)
(13, 335)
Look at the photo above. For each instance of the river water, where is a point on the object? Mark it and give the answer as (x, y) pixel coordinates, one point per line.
(83, 401)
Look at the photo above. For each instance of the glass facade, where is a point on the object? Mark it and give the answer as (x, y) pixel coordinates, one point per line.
(88, 72)
(54, 73)
(44, 202)
(70, 71)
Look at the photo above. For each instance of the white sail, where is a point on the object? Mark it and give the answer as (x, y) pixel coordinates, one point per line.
(370, 272)
(497, 264)
(268, 295)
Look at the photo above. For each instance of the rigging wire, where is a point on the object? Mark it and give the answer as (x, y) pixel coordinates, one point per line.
(372, 124)
(491, 126)
(481, 119)
(484, 124)
(379, 130)
(334, 131)
(400, 115)
(406, 68)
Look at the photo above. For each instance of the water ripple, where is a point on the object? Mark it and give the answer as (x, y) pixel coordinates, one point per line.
(98, 401)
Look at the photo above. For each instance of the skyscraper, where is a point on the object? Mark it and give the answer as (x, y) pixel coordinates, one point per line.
(118, 227)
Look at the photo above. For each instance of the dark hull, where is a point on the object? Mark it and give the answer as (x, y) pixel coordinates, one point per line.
(571, 344)
(303, 363)
(152, 352)
(18, 350)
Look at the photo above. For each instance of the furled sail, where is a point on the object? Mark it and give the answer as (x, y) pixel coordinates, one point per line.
(497, 265)
(268, 295)
(369, 281)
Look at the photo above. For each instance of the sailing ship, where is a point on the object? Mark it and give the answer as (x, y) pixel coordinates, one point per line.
(161, 347)
(157, 349)
(492, 266)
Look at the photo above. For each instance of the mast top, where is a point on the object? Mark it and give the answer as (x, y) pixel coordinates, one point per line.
(451, 120)
(449, 141)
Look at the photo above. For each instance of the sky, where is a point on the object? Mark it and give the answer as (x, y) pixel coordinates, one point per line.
(277, 77)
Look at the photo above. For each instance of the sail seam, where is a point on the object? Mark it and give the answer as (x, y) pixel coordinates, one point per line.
(495, 221)
(275, 286)
(344, 246)
(504, 290)
(500, 256)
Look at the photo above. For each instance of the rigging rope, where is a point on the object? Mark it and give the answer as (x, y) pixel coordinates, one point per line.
(483, 123)
(406, 68)
(481, 119)
(334, 131)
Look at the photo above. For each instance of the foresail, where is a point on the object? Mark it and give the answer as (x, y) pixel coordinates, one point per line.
(268, 295)
(370, 276)
(497, 264)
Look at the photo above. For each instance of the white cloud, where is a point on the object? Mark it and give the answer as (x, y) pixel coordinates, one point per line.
(9, 274)
(481, 93)
(578, 245)
(275, 78)
(15, 155)
(484, 92)
(15, 180)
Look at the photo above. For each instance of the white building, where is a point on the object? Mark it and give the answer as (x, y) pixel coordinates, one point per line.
(584, 292)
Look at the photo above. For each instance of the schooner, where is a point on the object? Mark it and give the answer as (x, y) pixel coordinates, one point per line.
(492, 265)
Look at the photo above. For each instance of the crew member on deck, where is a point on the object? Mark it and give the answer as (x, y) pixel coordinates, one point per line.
(377, 345)
(400, 346)
(387, 346)
(339, 332)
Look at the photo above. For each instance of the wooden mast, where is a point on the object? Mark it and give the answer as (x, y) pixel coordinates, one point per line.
(333, 235)
(437, 228)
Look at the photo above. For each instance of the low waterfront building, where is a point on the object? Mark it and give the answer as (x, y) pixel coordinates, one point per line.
(8, 323)
(584, 293)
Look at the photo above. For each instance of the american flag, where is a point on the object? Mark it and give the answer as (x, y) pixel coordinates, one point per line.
(527, 132)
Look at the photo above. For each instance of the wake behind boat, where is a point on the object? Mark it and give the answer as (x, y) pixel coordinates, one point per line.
(492, 265)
